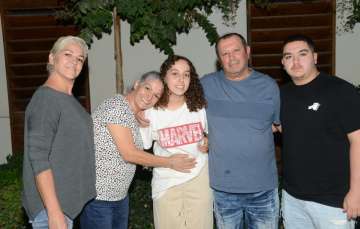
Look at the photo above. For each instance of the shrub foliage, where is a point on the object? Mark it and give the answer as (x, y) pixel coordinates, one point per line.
(13, 216)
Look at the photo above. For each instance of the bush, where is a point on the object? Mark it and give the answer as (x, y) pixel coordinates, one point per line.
(141, 213)
(13, 216)
(11, 212)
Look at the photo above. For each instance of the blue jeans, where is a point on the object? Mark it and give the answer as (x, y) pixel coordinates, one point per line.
(258, 210)
(41, 221)
(105, 214)
(299, 214)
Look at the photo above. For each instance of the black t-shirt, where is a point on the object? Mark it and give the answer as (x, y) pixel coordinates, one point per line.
(316, 119)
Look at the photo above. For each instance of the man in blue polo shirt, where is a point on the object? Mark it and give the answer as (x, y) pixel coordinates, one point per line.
(242, 106)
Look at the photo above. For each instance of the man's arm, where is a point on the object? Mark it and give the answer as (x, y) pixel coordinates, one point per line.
(351, 203)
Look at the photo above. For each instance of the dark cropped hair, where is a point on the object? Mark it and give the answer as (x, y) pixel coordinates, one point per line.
(300, 37)
(194, 96)
(228, 35)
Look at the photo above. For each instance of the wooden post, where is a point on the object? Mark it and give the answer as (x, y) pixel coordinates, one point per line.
(118, 53)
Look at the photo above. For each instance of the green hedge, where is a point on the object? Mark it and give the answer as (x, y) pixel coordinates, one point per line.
(141, 214)
(12, 215)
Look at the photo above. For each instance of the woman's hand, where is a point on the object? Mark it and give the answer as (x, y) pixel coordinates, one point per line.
(140, 117)
(57, 220)
(181, 163)
(203, 145)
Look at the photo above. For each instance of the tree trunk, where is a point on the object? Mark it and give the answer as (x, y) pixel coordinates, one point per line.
(118, 53)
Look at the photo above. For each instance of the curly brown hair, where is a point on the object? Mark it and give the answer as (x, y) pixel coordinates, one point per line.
(194, 96)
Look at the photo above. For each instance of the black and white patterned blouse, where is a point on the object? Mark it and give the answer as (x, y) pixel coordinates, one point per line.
(113, 174)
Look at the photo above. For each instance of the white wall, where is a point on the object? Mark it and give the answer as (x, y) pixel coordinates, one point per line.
(143, 57)
(101, 70)
(5, 139)
(348, 55)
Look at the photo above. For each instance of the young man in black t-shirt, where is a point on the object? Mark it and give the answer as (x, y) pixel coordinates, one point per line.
(320, 122)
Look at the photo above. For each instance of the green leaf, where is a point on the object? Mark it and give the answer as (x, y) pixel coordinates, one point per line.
(160, 20)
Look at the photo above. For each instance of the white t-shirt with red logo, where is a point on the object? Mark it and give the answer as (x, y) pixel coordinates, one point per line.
(174, 131)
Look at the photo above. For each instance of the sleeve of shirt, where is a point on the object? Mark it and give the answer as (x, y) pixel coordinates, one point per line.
(41, 126)
(348, 107)
(276, 99)
(146, 132)
(116, 112)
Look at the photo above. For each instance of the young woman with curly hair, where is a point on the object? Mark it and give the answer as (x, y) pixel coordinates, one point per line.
(177, 124)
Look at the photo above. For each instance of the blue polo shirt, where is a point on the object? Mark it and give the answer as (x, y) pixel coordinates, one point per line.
(241, 142)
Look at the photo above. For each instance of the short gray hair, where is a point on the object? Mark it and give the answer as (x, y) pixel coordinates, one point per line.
(60, 44)
(151, 75)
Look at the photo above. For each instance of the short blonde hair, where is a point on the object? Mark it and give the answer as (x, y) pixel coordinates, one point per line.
(60, 44)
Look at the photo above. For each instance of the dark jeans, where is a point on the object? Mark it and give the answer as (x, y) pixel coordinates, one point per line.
(105, 214)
